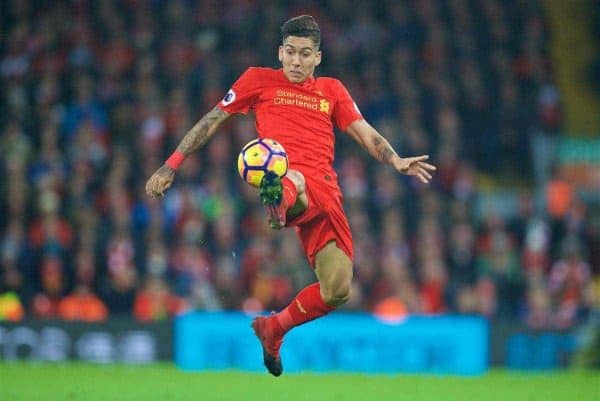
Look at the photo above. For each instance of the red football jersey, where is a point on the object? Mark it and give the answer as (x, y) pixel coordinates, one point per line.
(299, 116)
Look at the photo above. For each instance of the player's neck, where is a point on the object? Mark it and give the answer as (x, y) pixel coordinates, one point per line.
(309, 80)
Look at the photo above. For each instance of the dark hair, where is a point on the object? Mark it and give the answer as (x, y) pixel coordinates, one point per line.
(303, 26)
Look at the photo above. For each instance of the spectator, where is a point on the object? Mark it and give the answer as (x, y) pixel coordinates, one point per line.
(568, 283)
(82, 304)
(53, 283)
(11, 308)
(154, 301)
(559, 194)
(498, 266)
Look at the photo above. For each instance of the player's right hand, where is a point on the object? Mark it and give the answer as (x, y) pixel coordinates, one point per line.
(415, 166)
(160, 181)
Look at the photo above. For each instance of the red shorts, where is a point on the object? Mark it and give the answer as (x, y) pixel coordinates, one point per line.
(323, 221)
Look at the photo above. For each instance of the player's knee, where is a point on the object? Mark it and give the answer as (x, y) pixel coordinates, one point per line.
(337, 292)
(337, 295)
(334, 271)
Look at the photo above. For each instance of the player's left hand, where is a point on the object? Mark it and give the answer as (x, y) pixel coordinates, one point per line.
(416, 166)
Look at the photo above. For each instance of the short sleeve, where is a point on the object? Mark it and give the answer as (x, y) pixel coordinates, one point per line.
(243, 94)
(345, 111)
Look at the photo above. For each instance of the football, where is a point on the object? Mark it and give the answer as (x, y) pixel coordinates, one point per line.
(259, 156)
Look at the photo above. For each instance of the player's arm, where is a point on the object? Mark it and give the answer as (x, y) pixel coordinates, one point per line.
(378, 147)
(202, 131)
(196, 137)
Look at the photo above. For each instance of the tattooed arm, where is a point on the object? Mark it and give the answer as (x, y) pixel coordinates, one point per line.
(196, 137)
(202, 131)
(378, 147)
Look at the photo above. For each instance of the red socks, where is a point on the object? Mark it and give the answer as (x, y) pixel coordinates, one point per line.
(308, 305)
(290, 193)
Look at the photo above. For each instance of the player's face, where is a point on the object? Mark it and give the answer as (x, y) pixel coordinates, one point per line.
(299, 57)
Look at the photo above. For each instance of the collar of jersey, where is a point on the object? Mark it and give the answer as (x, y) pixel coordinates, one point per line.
(308, 82)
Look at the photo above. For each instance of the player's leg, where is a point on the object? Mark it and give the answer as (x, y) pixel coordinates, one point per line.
(283, 198)
(301, 199)
(325, 235)
(334, 272)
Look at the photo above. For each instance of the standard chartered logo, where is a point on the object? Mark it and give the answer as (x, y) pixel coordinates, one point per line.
(290, 98)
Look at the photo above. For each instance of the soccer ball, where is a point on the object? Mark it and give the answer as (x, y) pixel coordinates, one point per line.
(259, 156)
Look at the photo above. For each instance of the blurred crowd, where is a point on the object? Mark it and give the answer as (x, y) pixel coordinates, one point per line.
(96, 94)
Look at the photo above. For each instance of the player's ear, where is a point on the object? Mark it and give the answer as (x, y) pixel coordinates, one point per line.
(317, 58)
(280, 54)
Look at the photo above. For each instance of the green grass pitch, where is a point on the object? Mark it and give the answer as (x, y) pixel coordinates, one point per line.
(86, 382)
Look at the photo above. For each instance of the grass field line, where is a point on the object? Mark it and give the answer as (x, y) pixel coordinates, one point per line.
(23, 381)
